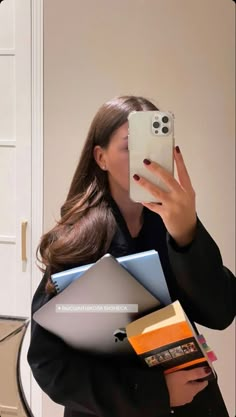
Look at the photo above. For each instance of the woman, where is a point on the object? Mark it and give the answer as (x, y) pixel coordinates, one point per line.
(99, 217)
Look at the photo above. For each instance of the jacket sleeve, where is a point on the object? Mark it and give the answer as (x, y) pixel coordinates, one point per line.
(92, 384)
(207, 288)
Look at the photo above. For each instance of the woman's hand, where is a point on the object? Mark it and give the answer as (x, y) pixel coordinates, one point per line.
(177, 208)
(184, 385)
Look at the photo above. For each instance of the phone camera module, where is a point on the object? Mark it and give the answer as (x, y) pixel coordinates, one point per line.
(156, 125)
(165, 129)
(165, 119)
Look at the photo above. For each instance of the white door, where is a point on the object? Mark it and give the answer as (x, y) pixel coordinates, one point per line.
(20, 166)
(15, 157)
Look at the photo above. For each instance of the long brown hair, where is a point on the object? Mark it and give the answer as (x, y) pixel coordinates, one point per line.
(87, 225)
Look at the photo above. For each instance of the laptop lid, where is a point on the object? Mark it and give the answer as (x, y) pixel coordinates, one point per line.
(92, 311)
(144, 266)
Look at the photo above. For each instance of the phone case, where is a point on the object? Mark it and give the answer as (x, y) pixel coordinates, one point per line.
(151, 136)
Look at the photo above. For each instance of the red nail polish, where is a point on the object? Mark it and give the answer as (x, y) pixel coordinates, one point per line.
(136, 177)
(177, 149)
(207, 369)
(146, 161)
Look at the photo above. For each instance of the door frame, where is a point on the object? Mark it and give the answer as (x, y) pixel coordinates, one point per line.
(37, 162)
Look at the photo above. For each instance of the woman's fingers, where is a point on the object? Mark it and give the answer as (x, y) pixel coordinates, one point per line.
(182, 172)
(163, 174)
(167, 178)
(153, 189)
(197, 374)
(184, 385)
(178, 210)
(156, 207)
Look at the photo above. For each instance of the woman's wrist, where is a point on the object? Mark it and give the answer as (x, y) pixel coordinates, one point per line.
(184, 240)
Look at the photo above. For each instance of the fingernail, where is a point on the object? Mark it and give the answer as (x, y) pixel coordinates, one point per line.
(207, 369)
(146, 161)
(136, 177)
(177, 149)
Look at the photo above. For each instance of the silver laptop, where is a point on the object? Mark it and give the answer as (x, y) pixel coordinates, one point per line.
(93, 311)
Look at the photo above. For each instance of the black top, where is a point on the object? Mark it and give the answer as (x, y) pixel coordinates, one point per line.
(95, 386)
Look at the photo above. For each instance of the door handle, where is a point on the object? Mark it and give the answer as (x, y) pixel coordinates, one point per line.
(23, 241)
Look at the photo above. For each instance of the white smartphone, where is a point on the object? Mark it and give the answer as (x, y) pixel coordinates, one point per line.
(151, 136)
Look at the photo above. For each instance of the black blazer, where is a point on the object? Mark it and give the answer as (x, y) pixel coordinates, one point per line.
(95, 386)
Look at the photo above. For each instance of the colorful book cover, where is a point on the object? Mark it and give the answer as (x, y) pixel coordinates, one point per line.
(166, 338)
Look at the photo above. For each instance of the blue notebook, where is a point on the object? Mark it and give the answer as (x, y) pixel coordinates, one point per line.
(144, 266)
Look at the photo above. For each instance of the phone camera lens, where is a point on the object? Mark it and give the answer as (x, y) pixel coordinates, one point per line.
(165, 119)
(165, 129)
(156, 125)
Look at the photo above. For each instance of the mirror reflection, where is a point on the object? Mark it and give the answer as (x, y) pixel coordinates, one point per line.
(59, 61)
(12, 396)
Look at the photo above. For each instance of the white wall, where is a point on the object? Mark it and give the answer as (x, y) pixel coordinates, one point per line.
(179, 53)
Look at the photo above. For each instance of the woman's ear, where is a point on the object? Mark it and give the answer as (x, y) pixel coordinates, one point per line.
(99, 156)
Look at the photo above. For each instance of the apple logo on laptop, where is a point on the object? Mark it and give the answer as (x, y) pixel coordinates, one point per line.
(120, 334)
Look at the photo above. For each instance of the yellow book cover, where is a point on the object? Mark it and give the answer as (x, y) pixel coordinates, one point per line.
(166, 338)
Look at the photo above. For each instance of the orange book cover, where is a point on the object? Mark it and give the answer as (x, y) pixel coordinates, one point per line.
(166, 338)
